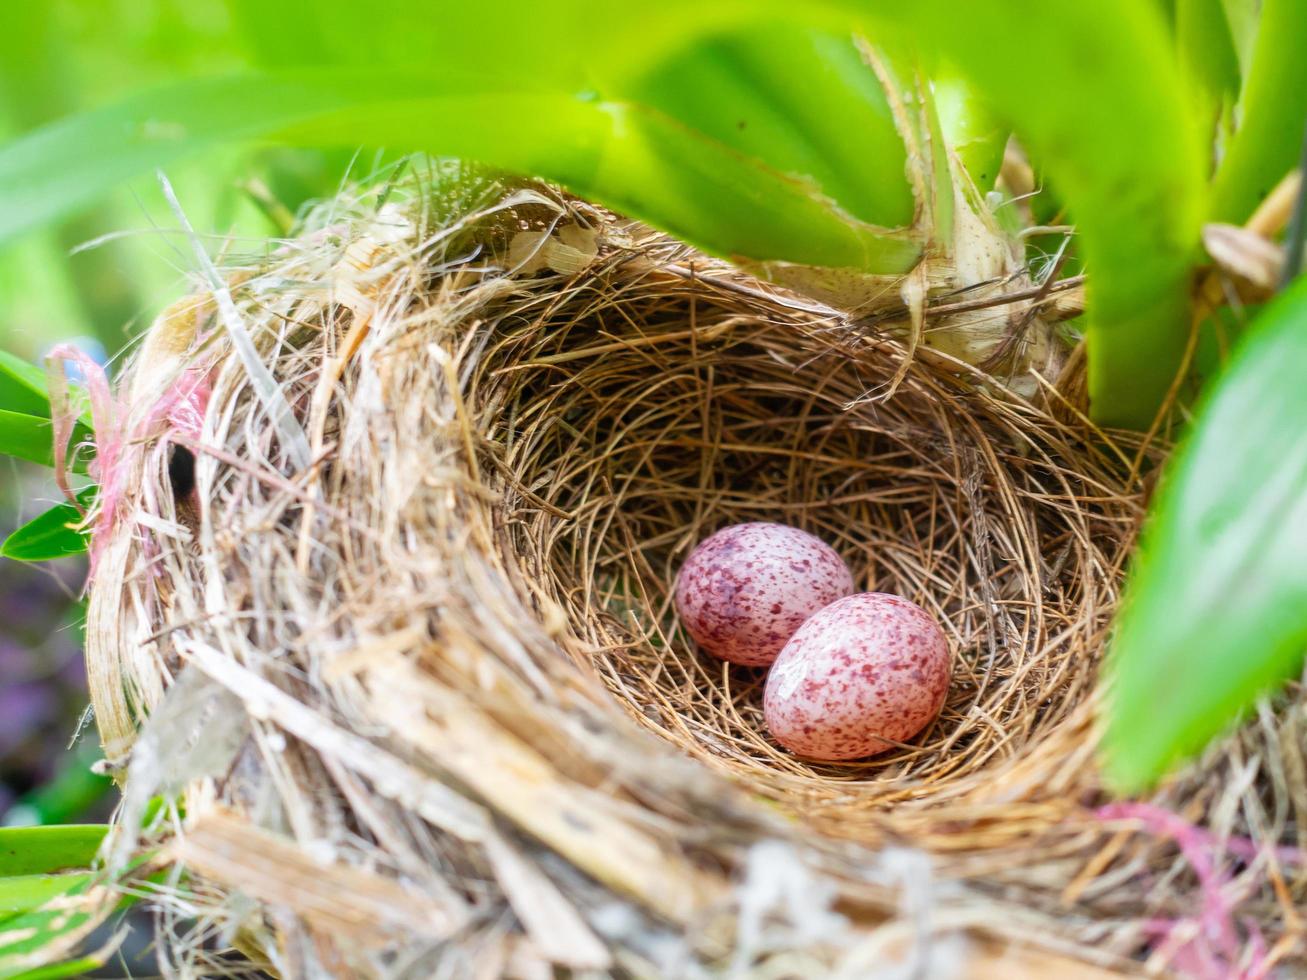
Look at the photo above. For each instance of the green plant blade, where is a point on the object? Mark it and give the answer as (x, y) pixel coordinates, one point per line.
(51, 535)
(23, 389)
(1274, 113)
(970, 128)
(805, 102)
(48, 172)
(30, 437)
(642, 163)
(22, 386)
(1207, 51)
(80, 967)
(27, 437)
(21, 892)
(44, 850)
(1128, 161)
(1242, 16)
(625, 154)
(1215, 613)
(39, 941)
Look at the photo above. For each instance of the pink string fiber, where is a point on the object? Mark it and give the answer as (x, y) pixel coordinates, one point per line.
(182, 405)
(179, 410)
(110, 444)
(1213, 951)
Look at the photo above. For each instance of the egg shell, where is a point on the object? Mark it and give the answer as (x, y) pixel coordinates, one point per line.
(744, 590)
(868, 665)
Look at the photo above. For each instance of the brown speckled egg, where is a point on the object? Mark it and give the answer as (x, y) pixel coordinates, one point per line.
(744, 591)
(868, 665)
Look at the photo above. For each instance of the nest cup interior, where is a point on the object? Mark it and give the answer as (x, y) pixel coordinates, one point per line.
(663, 413)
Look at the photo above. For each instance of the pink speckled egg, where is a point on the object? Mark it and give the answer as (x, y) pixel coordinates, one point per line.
(866, 666)
(744, 591)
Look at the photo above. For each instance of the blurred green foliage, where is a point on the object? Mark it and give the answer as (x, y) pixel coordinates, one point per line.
(63, 56)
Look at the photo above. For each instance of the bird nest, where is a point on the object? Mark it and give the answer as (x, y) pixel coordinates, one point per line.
(382, 609)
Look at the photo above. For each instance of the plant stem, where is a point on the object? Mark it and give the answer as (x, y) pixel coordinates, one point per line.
(1297, 230)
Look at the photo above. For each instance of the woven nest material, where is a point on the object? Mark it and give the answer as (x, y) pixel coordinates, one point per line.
(406, 659)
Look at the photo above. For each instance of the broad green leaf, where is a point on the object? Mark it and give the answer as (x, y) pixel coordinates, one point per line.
(21, 892)
(1207, 48)
(28, 437)
(623, 153)
(43, 850)
(1242, 17)
(804, 102)
(49, 172)
(1125, 156)
(1215, 613)
(1128, 161)
(642, 163)
(34, 942)
(1208, 55)
(24, 389)
(22, 386)
(80, 967)
(1273, 113)
(970, 128)
(51, 535)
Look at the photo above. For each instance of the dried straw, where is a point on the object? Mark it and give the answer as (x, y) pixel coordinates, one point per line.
(427, 708)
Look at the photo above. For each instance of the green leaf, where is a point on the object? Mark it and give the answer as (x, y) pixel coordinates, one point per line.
(623, 153)
(1215, 613)
(640, 162)
(1273, 109)
(22, 892)
(24, 389)
(28, 437)
(43, 850)
(1129, 160)
(804, 102)
(49, 172)
(80, 967)
(1242, 17)
(1125, 156)
(31, 437)
(31, 940)
(51, 535)
(970, 128)
(1207, 48)
(22, 386)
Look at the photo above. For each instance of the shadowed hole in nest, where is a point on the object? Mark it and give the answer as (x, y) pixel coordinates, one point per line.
(633, 437)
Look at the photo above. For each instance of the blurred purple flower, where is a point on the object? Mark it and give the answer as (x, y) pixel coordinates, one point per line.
(25, 710)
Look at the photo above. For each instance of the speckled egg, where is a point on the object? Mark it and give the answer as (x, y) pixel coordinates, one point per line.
(868, 667)
(744, 591)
